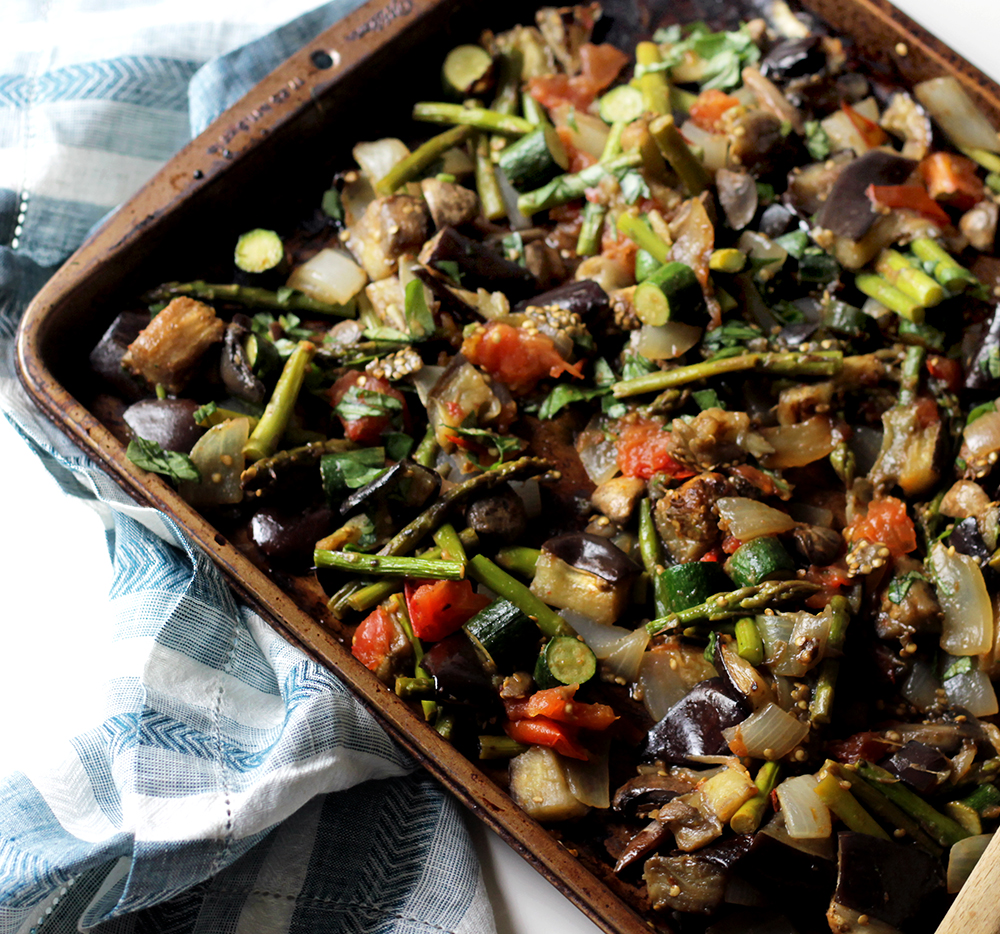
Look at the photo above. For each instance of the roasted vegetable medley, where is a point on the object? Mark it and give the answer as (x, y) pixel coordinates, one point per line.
(639, 424)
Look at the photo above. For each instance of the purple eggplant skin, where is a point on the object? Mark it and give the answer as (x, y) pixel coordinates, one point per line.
(234, 367)
(848, 212)
(897, 883)
(794, 58)
(404, 489)
(462, 673)
(920, 766)
(794, 881)
(288, 537)
(106, 357)
(480, 265)
(168, 422)
(583, 297)
(980, 370)
(694, 725)
(595, 554)
(498, 517)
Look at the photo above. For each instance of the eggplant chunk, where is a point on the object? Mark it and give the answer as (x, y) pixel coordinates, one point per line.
(106, 357)
(892, 883)
(694, 725)
(390, 227)
(450, 205)
(480, 265)
(684, 883)
(168, 422)
(167, 352)
(539, 785)
(583, 297)
(848, 211)
(500, 515)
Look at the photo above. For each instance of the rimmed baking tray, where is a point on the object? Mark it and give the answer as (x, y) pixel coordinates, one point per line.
(264, 163)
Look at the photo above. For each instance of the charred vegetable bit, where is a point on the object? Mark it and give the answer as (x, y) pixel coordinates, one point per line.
(636, 421)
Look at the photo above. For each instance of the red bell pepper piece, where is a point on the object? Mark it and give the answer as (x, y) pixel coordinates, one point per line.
(557, 704)
(870, 131)
(541, 731)
(914, 197)
(952, 179)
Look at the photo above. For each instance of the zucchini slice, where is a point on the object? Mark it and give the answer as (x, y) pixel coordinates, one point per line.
(564, 660)
(467, 72)
(758, 560)
(536, 158)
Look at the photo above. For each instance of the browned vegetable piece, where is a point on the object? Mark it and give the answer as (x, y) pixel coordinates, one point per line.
(168, 350)
(450, 205)
(390, 227)
(685, 518)
(565, 29)
(847, 211)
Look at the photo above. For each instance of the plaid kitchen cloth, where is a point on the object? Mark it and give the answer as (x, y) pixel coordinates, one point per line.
(233, 785)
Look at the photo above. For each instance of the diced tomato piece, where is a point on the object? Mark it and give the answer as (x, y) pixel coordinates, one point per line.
(708, 108)
(832, 579)
(887, 522)
(868, 746)
(716, 554)
(643, 450)
(374, 639)
(600, 65)
(439, 608)
(541, 731)
(946, 369)
(870, 131)
(516, 357)
(367, 390)
(914, 197)
(558, 704)
(730, 544)
(952, 178)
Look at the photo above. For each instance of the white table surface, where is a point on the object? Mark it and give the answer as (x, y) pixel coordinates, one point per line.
(43, 530)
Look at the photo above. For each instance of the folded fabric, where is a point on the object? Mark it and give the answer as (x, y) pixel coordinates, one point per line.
(232, 784)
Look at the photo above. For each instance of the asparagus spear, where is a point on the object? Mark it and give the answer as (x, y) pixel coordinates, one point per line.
(567, 188)
(478, 117)
(520, 559)
(941, 827)
(945, 268)
(838, 799)
(791, 363)
(264, 439)
(883, 291)
(636, 229)
(588, 243)
(909, 279)
(879, 805)
(685, 163)
(733, 603)
(652, 81)
(821, 704)
(749, 644)
(487, 186)
(361, 563)
(747, 819)
(500, 582)
(406, 170)
(651, 551)
(249, 296)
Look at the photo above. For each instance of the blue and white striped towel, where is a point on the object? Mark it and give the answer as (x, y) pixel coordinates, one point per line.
(232, 784)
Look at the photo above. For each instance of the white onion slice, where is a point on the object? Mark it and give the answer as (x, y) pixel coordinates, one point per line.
(962, 121)
(667, 341)
(806, 816)
(589, 780)
(973, 690)
(963, 857)
(770, 733)
(218, 455)
(661, 683)
(600, 460)
(760, 246)
(424, 380)
(601, 638)
(799, 444)
(746, 518)
(714, 146)
(624, 660)
(967, 624)
(378, 157)
(329, 276)
(982, 437)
